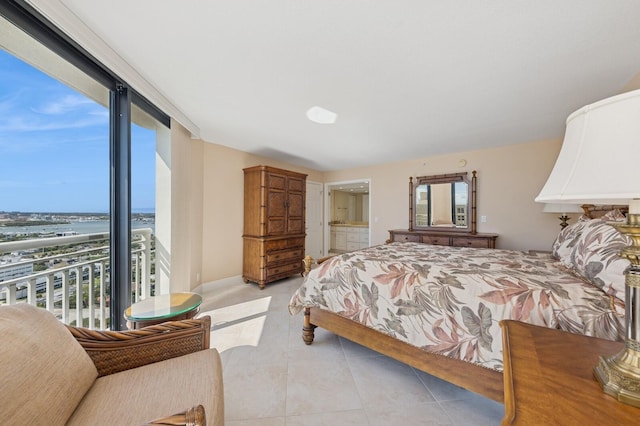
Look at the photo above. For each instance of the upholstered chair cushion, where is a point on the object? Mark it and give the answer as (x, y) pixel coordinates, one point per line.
(45, 371)
(134, 397)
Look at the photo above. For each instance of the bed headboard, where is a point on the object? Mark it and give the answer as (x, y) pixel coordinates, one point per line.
(595, 212)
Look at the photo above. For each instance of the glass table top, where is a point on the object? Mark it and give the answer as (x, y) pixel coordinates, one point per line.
(163, 306)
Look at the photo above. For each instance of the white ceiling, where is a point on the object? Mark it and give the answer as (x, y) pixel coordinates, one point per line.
(407, 78)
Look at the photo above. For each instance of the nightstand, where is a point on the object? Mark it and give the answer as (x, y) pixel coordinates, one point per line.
(548, 379)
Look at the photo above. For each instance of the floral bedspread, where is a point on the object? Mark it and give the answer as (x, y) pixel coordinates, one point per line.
(449, 300)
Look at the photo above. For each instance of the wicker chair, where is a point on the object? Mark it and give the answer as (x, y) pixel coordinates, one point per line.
(115, 351)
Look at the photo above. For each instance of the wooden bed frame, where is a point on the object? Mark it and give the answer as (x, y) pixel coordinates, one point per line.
(473, 377)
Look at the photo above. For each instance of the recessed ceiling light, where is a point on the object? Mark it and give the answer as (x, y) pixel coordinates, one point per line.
(321, 116)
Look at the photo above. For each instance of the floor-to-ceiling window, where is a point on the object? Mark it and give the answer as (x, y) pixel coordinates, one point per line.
(77, 148)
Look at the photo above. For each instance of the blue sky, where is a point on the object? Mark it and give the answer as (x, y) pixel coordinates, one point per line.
(54, 147)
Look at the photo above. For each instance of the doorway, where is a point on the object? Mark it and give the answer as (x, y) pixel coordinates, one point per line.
(347, 209)
(313, 221)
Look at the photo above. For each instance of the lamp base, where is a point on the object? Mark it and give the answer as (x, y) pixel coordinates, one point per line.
(619, 375)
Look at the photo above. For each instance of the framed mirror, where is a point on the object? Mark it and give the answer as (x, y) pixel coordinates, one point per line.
(443, 202)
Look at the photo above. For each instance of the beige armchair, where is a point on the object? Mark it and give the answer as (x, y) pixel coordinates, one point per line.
(67, 375)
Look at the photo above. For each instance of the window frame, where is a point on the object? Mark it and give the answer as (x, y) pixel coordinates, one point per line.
(25, 17)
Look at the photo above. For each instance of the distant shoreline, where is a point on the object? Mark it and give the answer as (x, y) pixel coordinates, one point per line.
(143, 212)
(32, 223)
(47, 225)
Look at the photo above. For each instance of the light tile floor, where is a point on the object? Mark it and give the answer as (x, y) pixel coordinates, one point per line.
(272, 378)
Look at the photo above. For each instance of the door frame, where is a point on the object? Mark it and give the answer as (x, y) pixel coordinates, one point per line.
(327, 207)
(324, 250)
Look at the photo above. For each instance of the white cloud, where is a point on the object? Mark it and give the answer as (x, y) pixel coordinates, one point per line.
(65, 104)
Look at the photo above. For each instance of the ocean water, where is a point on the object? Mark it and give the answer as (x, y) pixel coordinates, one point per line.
(81, 227)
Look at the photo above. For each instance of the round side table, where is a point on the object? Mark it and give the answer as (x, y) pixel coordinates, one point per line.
(162, 308)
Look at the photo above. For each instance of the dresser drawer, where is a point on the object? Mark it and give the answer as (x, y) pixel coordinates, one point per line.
(414, 238)
(470, 242)
(280, 256)
(435, 240)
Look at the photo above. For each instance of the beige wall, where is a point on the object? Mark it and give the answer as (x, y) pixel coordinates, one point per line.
(509, 178)
(182, 252)
(222, 207)
(196, 149)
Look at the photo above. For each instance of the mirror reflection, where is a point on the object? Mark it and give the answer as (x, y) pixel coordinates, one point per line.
(443, 202)
(442, 205)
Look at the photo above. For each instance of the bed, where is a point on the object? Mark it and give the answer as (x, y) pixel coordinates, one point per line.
(437, 308)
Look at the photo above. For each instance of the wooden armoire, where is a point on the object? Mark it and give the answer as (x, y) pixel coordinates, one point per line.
(274, 224)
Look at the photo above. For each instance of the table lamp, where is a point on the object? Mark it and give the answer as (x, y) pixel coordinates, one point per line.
(598, 164)
(563, 209)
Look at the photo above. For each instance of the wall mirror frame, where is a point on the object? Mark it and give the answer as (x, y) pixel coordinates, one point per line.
(457, 217)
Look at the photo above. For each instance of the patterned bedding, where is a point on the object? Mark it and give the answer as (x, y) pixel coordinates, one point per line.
(449, 300)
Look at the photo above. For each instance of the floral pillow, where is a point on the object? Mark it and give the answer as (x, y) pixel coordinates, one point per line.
(569, 236)
(566, 240)
(595, 256)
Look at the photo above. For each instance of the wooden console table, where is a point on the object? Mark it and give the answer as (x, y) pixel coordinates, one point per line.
(548, 379)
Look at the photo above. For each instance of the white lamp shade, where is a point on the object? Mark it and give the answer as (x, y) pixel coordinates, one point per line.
(562, 208)
(599, 161)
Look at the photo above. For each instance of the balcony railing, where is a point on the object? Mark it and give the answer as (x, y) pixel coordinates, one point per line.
(69, 276)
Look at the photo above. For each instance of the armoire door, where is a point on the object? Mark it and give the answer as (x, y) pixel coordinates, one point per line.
(295, 205)
(276, 212)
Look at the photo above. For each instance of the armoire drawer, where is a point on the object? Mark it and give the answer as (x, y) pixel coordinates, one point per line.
(284, 255)
(283, 243)
(287, 268)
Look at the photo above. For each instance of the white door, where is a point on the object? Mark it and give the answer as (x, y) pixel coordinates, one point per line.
(313, 241)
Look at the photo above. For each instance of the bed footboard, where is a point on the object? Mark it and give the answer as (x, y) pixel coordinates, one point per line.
(475, 378)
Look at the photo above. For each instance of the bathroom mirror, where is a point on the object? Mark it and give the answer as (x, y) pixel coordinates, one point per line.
(443, 202)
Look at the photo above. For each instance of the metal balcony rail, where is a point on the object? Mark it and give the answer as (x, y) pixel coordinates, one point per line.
(69, 276)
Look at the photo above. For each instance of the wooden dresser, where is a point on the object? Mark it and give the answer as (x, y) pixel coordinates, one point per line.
(443, 238)
(274, 228)
(548, 379)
